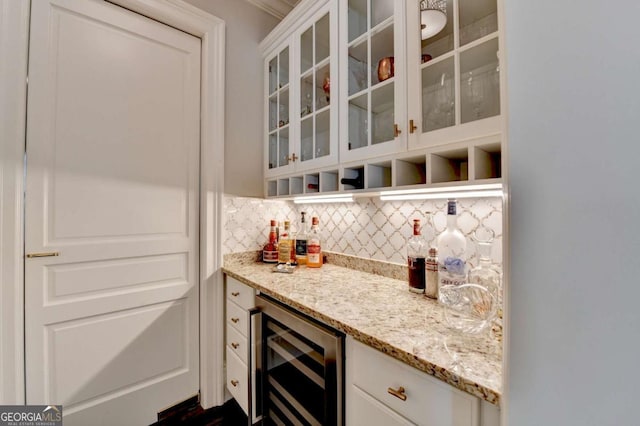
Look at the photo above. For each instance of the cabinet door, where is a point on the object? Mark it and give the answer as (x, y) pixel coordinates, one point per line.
(455, 72)
(373, 67)
(278, 101)
(363, 410)
(317, 109)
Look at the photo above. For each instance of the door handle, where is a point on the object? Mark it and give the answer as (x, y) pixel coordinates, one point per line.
(235, 320)
(45, 254)
(412, 126)
(396, 130)
(398, 393)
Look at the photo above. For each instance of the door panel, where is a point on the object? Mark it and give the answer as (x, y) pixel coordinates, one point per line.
(112, 186)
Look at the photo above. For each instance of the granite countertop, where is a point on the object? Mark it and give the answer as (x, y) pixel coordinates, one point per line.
(383, 314)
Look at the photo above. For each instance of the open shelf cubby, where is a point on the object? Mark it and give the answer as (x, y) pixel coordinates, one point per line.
(296, 186)
(283, 186)
(272, 188)
(450, 166)
(379, 175)
(329, 181)
(411, 171)
(312, 183)
(353, 173)
(488, 161)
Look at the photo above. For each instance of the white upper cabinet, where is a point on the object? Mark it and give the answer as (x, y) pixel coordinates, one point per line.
(301, 125)
(455, 74)
(373, 72)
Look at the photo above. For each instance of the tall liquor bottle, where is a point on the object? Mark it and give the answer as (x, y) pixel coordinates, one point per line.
(301, 241)
(314, 250)
(451, 255)
(270, 250)
(285, 245)
(416, 255)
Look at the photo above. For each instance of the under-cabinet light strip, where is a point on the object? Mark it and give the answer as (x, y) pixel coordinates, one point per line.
(443, 189)
(347, 198)
(442, 195)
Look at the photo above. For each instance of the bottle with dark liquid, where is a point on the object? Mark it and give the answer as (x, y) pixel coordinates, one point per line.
(313, 186)
(357, 182)
(416, 256)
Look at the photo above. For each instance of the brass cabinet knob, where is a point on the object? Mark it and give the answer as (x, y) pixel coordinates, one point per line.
(398, 393)
(235, 345)
(412, 126)
(234, 383)
(235, 320)
(396, 130)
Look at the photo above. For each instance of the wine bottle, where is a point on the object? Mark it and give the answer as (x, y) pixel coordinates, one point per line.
(301, 241)
(357, 182)
(416, 255)
(314, 249)
(451, 256)
(313, 186)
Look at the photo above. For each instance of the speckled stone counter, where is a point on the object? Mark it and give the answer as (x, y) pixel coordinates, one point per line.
(382, 313)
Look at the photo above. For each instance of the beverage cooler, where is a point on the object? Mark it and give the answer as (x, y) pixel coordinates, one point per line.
(299, 367)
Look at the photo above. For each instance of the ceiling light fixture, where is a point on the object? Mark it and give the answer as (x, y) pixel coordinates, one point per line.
(433, 17)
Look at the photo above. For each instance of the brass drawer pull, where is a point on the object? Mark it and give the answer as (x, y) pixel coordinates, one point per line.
(47, 254)
(398, 393)
(235, 294)
(412, 126)
(235, 320)
(234, 383)
(235, 345)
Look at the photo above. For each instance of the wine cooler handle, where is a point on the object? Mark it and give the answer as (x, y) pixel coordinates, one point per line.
(254, 352)
(398, 393)
(396, 130)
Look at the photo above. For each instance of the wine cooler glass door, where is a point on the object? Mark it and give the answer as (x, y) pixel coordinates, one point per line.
(301, 370)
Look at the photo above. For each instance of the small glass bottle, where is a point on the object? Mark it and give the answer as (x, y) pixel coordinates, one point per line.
(416, 256)
(486, 274)
(270, 250)
(431, 288)
(284, 246)
(314, 249)
(451, 254)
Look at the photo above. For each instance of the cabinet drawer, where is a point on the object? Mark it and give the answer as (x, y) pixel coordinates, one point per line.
(428, 400)
(238, 380)
(240, 293)
(363, 410)
(237, 343)
(237, 318)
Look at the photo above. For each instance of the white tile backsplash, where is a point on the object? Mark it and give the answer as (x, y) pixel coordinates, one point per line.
(367, 228)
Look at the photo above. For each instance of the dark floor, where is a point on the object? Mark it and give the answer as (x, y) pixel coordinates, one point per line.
(230, 414)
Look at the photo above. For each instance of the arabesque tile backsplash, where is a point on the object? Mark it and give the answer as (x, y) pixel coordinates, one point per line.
(368, 228)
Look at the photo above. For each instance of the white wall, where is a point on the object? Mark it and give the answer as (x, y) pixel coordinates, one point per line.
(246, 26)
(574, 151)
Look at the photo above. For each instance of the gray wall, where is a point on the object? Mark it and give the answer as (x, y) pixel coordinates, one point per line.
(574, 119)
(246, 26)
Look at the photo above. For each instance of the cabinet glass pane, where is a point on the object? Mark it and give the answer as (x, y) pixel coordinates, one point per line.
(283, 113)
(273, 75)
(283, 147)
(382, 49)
(322, 134)
(477, 19)
(273, 112)
(283, 67)
(306, 139)
(382, 107)
(358, 69)
(480, 82)
(323, 87)
(273, 151)
(357, 15)
(322, 38)
(380, 10)
(441, 42)
(306, 50)
(306, 95)
(438, 99)
(358, 122)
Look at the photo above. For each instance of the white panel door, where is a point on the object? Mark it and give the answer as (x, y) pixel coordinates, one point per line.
(112, 186)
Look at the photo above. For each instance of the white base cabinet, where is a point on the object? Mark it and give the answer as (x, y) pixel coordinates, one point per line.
(240, 298)
(382, 391)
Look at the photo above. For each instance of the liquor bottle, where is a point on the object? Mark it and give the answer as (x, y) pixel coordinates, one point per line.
(486, 274)
(301, 240)
(270, 250)
(357, 182)
(431, 285)
(314, 250)
(284, 246)
(451, 255)
(416, 255)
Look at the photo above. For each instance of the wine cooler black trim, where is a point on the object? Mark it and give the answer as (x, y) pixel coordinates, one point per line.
(281, 403)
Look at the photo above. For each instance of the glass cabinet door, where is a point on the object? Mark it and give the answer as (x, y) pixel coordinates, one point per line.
(459, 75)
(278, 110)
(315, 90)
(374, 82)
